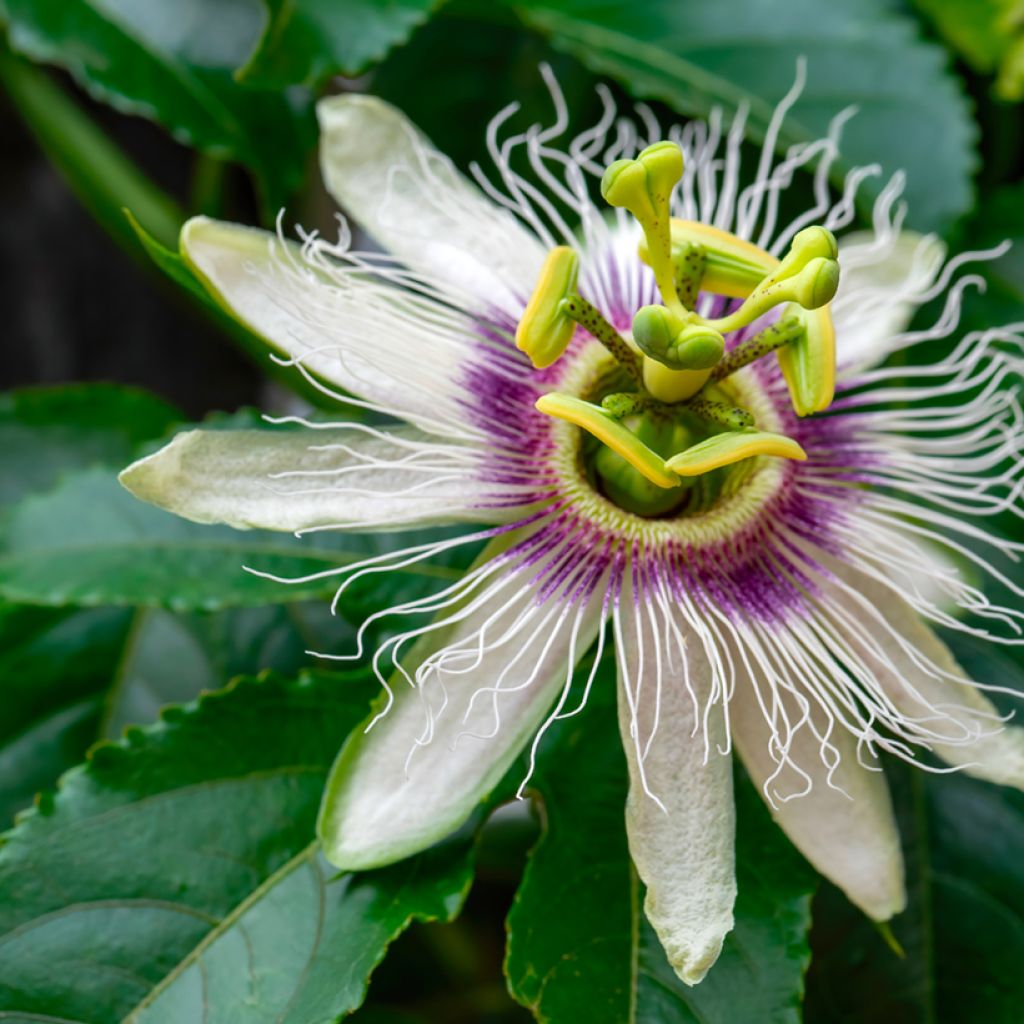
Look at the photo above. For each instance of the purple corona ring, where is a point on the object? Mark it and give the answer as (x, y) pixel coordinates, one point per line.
(731, 492)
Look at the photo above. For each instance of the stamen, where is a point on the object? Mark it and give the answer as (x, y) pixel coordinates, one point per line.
(591, 320)
(786, 330)
(809, 362)
(544, 332)
(607, 429)
(724, 449)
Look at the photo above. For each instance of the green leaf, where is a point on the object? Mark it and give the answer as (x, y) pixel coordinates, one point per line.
(999, 218)
(99, 173)
(579, 946)
(963, 930)
(44, 432)
(170, 659)
(174, 266)
(227, 904)
(72, 677)
(89, 542)
(54, 665)
(307, 41)
(572, 942)
(176, 67)
(913, 114)
(487, 65)
(988, 34)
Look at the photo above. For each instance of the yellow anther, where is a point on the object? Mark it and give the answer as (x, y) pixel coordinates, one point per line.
(643, 186)
(733, 446)
(809, 362)
(734, 267)
(611, 432)
(544, 332)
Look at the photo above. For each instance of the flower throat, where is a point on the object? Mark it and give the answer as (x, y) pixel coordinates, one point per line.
(663, 422)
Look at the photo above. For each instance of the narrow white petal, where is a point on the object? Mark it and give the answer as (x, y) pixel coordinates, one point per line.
(883, 279)
(842, 821)
(341, 323)
(680, 814)
(922, 679)
(410, 198)
(484, 685)
(293, 480)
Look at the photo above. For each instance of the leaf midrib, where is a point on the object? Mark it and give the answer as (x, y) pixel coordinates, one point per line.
(227, 922)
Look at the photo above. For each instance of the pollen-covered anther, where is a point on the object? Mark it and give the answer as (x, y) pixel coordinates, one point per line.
(607, 428)
(733, 446)
(545, 329)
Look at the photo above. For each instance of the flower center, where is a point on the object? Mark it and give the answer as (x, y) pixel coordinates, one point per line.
(666, 418)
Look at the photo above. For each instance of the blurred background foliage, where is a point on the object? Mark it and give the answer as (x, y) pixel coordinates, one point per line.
(172, 878)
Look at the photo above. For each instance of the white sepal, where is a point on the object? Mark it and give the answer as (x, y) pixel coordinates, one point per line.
(295, 480)
(841, 820)
(485, 679)
(384, 173)
(680, 814)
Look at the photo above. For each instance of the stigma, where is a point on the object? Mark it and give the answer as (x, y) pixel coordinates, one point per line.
(668, 416)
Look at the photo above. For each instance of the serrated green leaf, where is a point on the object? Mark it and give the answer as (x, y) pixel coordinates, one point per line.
(169, 659)
(174, 64)
(913, 114)
(307, 41)
(579, 946)
(54, 665)
(47, 431)
(225, 905)
(68, 678)
(90, 542)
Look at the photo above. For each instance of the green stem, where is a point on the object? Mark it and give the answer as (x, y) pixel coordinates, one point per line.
(590, 319)
(99, 174)
(206, 193)
(731, 417)
(788, 329)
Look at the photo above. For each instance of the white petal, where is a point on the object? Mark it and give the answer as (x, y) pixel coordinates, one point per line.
(937, 688)
(363, 481)
(410, 198)
(380, 804)
(346, 326)
(851, 836)
(883, 279)
(684, 849)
